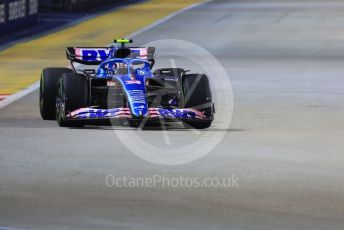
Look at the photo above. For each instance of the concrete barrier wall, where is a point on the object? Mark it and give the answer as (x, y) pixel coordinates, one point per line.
(17, 14)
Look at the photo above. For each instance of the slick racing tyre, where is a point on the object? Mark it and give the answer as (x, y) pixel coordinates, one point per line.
(197, 94)
(48, 89)
(72, 94)
(168, 72)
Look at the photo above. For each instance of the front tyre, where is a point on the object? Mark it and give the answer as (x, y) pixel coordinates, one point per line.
(48, 89)
(72, 94)
(197, 124)
(197, 95)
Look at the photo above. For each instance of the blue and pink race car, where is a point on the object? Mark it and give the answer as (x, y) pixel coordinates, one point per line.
(118, 84)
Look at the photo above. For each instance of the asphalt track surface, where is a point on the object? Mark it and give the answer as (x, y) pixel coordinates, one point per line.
(285, 142)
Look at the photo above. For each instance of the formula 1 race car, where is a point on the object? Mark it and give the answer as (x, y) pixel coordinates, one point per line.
(117, 84)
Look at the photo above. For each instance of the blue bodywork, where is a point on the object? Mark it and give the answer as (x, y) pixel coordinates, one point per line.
(132, 81)
(131, 74)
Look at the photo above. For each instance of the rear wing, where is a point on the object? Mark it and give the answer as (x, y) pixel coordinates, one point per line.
(96, 55)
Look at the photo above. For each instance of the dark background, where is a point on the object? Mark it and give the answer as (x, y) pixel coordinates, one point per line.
(31, 13)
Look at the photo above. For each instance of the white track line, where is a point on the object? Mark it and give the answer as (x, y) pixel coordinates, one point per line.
(14, 97)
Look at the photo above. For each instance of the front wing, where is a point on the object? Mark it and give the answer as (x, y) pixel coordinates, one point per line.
(124, 113)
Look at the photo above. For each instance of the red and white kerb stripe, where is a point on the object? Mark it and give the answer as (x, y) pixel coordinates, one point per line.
(4, 96)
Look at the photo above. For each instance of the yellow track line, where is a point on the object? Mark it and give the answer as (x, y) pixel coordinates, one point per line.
(20, 65)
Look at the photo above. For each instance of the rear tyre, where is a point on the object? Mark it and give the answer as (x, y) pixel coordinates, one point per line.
(168, 72)
(48, 90)
(72, 94)
(197, 94)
